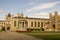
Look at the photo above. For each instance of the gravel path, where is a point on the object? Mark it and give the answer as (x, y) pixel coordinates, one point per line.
(15, 36)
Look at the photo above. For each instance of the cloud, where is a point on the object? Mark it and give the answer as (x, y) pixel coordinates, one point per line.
(42, 6)
(40, 15)
(1, 11)
(31, 3)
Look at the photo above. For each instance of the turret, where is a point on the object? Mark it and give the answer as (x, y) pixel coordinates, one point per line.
(50, 15)
(56, 13)
(50, 20)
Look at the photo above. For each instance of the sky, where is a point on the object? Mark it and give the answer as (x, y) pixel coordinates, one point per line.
(30, 8)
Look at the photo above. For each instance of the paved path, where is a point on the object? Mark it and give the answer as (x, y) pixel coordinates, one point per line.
(15, 36)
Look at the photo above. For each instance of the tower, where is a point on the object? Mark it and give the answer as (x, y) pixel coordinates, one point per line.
(56, 20)
(8, 21)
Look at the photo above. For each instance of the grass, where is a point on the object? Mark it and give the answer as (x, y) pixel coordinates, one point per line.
(44, 35)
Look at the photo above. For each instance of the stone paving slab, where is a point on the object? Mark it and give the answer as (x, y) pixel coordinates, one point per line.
(15, 36)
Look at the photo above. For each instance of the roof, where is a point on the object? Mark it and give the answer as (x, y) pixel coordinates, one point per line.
(32, 18)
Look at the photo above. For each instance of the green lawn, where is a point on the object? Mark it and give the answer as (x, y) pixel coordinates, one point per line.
(44, 35)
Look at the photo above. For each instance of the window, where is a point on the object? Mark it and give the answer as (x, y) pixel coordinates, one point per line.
(31, 24)
(23, 25)
(41, 24)
(35, 24)
(19, 22)
(47, 23)
(14, 23)
(38, 24)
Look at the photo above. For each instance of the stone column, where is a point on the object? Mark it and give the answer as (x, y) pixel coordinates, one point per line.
(40, 24)
(5, 28)
(25, 26)
(33, 24)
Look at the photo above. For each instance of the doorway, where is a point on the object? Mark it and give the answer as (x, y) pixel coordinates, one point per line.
(54, 26)
(8, 28)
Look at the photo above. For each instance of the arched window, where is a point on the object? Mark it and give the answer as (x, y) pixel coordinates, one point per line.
(38, 24)
(31, 24)
(23, 25)
(35, 24)
(41, 24)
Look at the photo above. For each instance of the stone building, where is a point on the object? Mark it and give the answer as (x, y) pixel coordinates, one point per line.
(55, 21)
(21, 23)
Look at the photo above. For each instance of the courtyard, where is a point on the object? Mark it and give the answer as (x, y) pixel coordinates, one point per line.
(7, 35)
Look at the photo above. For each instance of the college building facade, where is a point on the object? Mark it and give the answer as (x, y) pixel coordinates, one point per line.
(21, 23)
